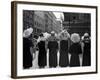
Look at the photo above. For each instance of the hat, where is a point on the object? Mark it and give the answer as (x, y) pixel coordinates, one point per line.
(64, 35)
(28, 32)
(86, 34)
(75, 37)
(46, 35)
(52, 33)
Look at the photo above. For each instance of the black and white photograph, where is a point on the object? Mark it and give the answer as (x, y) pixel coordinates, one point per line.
(54, 39)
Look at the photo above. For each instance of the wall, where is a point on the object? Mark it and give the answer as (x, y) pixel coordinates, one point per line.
(5, 40)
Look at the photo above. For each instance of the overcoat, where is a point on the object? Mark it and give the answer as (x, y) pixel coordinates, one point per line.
(53, 49)
(63, 60)
(75, 49)
(42, 59)
(63, 48)
(27, 56)
(87, 53)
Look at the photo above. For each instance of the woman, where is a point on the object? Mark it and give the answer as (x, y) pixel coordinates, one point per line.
(75, 50)
(53, 49)
(27, 49)
(86, 50)
(42, 52)
(64, 44)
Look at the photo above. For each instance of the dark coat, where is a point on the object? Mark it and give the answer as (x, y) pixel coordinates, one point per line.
(42, 54)
(53, 49)
(27, 56)
(64, 61)
(75, 49)
(87, 54)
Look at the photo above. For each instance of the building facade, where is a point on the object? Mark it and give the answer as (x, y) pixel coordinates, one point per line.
(28, 18)
(40, 21)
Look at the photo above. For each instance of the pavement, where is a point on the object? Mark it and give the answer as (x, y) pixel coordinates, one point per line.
(35, 61)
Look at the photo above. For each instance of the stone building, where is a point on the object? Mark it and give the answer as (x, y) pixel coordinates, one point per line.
(40, 21)
(28, 18)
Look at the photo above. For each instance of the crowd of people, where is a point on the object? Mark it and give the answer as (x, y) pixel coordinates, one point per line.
(71, 48)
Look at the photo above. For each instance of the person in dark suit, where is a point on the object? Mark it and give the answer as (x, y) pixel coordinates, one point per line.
(27, 49)
(75, 50)
(86, 50)
(42, 59)
(53, 49)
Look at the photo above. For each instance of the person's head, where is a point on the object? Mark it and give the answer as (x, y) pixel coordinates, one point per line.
(27, 32)
(52, 33)
(86, 37)
(65, 34)
(75, 38)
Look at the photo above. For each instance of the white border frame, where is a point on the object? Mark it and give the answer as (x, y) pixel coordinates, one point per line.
(68, 70)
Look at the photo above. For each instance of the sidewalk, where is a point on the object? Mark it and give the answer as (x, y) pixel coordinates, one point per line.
(35, 61)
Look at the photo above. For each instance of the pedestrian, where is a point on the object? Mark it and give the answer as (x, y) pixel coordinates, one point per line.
(53, 50)
(42, 59)
(64, 44)
(75, 50)
(86, 50)
(27, 49)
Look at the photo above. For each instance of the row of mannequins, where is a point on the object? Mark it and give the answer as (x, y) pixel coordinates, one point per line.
(71, 49)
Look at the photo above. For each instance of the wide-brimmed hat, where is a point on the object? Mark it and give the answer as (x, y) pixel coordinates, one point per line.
(27, 32)
(75, 37)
